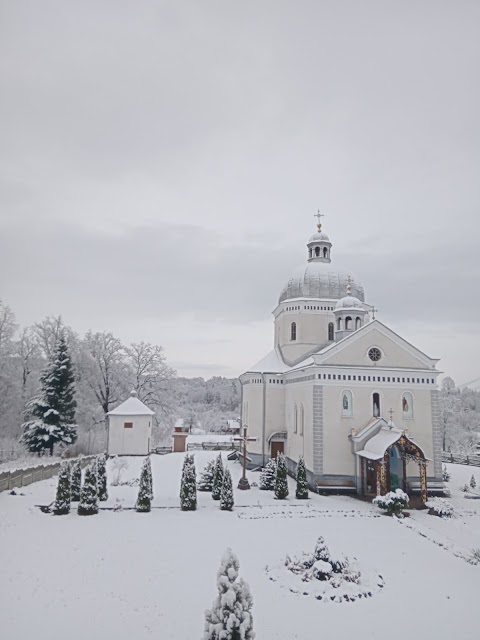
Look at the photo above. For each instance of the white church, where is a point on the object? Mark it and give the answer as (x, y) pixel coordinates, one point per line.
(342, 389)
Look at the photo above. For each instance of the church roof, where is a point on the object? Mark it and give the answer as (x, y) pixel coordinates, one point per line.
(131, 407)
(271, 363)
(320, 280)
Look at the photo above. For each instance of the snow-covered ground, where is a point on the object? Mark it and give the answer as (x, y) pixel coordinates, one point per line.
(124, 575)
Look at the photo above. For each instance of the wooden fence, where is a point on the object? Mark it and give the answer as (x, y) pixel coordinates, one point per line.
(16, 478)
(212, 446)
(472, 459)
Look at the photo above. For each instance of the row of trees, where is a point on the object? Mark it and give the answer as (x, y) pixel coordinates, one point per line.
(460, 415)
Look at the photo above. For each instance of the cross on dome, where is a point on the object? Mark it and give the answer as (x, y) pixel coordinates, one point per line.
(373, 310)
(319, 216)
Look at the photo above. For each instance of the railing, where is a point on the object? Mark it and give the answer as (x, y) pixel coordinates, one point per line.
(162, 450)
(212, 446)
(16, 478)
(472, 459)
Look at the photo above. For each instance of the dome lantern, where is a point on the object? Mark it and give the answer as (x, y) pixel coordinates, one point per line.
(319, 245)
(349, 314)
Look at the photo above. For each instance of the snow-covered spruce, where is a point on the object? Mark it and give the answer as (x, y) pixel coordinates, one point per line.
(61, 506)
(230, 617)
(267, 477)
(281, 481)
(393, 502)
(51, 414)
(188, 487)
(206, 477)
(226, 496)
(148, 466)
(217, 478)
(445, 473)
(76, 481)
(440, 507)
(88, 505)
(143, 503)
(302, 485)
(102, 477)
(473, 482)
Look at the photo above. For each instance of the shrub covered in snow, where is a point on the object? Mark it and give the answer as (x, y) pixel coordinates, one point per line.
(143, 503)
(102, 477)
(230, 617)
(473, 482)
(217, 478)
(267, 477)
(440, 507)
(88, 504)
(393, 502)
(61, 506)
(226, 496)
(281, 482)
(188, 487)
(206, 477)
(465, 488)
(76, 481)
(302, 485)
(445, 474)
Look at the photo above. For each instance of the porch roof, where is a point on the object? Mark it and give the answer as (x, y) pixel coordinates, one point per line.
(376, 446)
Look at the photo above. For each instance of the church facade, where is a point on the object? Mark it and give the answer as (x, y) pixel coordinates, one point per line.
(343, 390)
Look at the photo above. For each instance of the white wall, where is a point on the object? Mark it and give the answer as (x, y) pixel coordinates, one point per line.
(129, 442)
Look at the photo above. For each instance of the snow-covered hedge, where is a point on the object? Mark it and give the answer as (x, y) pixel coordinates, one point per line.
(440, 507)
(393, 502)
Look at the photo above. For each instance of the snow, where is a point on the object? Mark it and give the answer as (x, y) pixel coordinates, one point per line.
(131, 407)
(271, 363)
(121, 574)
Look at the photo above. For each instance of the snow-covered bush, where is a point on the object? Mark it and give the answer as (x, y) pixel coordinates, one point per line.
(188, 487)
(61, 506)
(302, 485)
(88, 504)
(148, 470)
(322, 570)
(465, 488)
(226, 497)
(267, 477)
(475, 556)
(440, 507)
(102, 477)
(445, 474)
(206, 477)
(217, 478)
(473, 482)
(281, 482)
(230, 617)
(119, 465)
(393, 502)
(143, 503)
(76, 481)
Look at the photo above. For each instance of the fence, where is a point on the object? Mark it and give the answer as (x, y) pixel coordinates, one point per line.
(460, 458)
(212, 446)
(16, 478)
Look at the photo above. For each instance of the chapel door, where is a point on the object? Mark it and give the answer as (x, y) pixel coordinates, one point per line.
(275, 449)
(371, 477)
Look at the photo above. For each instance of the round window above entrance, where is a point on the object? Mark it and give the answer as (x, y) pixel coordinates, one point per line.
(374, 354)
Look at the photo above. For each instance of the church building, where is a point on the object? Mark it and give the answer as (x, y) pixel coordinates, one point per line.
(342, 389)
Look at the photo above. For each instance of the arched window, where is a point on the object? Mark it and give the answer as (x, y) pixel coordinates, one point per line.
(358, 323)
(317, 251)
(407, 405)
(325, 252)
(293, 331)
(347, 404)
(330, 331)
(295, 420)
(348, 323)
(339, 324)
(376, 405)
(302, 419)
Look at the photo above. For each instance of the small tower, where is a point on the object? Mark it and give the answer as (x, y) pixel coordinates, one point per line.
(130, 428)
(319, 245)
(349, 314)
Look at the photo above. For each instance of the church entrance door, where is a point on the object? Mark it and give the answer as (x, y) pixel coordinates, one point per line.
(371, 476)
(276, 448)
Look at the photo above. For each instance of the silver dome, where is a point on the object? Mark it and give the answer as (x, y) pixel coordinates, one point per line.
(349, 302)
(321, 281)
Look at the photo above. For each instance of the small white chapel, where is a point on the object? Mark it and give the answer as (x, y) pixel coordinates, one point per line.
(130, 428)
(340, 388)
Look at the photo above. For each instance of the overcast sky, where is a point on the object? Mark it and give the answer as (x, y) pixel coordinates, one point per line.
(161, 163)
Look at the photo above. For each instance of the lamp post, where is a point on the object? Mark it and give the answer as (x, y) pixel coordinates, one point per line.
(243, 483)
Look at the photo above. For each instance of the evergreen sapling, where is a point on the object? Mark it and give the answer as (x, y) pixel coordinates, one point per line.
(102, 477)
(217, 478)
(473, 482)
(302, 485)
(144, 491)
(226, 497)
(148, 465)
(61, 505)
(230, 617)
(188, 487)
(76, 481)
(88, 504)
(267, 477)
(281, 482)
(206, 477)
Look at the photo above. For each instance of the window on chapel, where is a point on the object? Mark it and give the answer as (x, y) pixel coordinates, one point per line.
(293, 331)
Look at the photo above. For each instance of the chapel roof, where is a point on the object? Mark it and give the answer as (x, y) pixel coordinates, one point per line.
(131, 407)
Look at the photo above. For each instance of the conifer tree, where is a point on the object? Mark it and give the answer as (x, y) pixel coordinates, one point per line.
(473, 482)
(144, 491)
(88, 504)
(61, 505)
(230, 617)
(302, 485)
(281, 482)
(148, 465)
(188, 487)
(76, 481)
(267, 477)
(206, 477)
(226, 496)
(102, 477)
(51, 414)
(217, 478)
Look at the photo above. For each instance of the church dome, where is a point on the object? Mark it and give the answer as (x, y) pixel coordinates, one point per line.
(320, 236)
(349, 302)
(321, 280)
